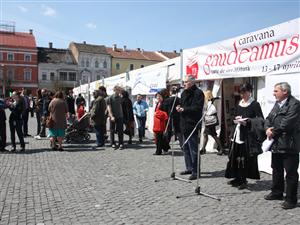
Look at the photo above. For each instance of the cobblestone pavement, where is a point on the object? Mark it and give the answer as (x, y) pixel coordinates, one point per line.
(83, 185)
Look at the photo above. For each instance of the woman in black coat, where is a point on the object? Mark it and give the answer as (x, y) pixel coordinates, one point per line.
(246, 141)
(128, 118)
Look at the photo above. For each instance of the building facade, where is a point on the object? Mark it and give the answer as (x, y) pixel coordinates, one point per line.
(124, 60)
(57, 69)
(18, 62)
(94, 63)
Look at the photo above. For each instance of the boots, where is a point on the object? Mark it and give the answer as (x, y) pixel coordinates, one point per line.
(202, 151)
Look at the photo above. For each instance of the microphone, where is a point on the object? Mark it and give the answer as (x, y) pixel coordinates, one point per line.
(218, 97)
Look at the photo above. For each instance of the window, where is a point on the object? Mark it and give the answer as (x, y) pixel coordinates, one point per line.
(10, 74)
(82, 63)
(52, 76)
(131, 67)
(63, 76)
(117, 66)
(10, 56)
(98, 77)
(1, 56)
(142, 66)
(44, 75)
(72, 76)
(96, 64)
(27, 58)
(104, 64)
(87, 63)
(27, 75)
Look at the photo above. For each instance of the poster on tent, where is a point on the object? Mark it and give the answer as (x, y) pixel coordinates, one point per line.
(110, 82)
(270, 51)
(148, 83)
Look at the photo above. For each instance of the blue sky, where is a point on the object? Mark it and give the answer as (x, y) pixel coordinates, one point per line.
(151, 25)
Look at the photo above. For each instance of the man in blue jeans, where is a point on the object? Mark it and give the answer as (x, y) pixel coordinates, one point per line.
(192, 101)
(140, 108)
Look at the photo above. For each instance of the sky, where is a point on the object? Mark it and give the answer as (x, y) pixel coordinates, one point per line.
(150, 25)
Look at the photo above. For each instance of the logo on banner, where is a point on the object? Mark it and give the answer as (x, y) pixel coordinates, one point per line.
(192, 67)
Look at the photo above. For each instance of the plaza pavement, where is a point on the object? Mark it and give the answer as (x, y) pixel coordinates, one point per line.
(83, 185)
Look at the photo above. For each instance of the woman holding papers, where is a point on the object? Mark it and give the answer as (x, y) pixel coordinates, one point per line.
(246, 140)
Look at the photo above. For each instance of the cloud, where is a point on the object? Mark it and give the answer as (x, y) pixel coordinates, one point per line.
(91, 25)
(22, 9)
(48, 11)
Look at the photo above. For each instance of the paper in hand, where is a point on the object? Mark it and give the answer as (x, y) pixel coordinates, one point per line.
(266, 145)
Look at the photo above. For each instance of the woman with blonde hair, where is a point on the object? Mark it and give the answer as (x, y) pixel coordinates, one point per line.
(210, 121)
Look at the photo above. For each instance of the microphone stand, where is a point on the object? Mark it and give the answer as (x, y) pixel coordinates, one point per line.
(198, 188)
(173, 175)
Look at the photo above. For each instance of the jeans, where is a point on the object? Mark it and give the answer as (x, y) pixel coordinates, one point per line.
(2, 136)
(38, 121)
(16, 125)
(117, 126)
(25, 116)
(191, 153)
(99, 135)
(141, 126)
(289, 163)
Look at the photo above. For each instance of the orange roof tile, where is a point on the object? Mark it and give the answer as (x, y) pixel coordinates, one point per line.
(17, 39)
(134, 54)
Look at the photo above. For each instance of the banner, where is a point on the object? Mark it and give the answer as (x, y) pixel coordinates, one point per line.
(110, 82)
(270, 51)
(149, 82)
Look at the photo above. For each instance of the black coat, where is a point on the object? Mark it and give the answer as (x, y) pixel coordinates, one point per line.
(192, 101)
(127, 110)
(286, 123)
(173, 114)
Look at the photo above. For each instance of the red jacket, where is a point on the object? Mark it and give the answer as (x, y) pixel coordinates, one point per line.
(160, 120)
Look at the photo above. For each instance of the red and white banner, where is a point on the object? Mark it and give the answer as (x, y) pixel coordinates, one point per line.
(273, 50)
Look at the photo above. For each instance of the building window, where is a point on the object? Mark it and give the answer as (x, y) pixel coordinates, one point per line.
(98, 77)
(10, 74)
(63, 76)
(87, 63)
(72, 76)
(117, 66)
(104, 64)
(96, 64)
(44, 75)
(1, 56)
(27, 75)
(10, 56)
(27, 58)
(131, 67)
(142, 66)
(52, 76)
(82, 63)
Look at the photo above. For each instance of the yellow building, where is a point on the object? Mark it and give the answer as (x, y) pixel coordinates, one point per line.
(124, 59)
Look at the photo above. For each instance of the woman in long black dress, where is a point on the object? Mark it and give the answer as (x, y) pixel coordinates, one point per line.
(246, 140)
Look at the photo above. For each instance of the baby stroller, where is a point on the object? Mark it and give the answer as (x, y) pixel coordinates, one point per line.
(78, 130)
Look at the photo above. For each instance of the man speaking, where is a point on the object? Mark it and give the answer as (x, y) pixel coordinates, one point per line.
(192, 101)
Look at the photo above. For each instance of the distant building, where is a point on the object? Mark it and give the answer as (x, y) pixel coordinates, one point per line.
(124, 59)
(57, 68)
(18, 61)
(94, 63)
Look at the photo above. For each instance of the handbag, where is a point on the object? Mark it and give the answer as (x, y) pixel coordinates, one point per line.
(49, 122)
(210, 120)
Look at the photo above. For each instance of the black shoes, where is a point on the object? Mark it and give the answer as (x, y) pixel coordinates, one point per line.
(121, 147)
(186, 172)
(273, 196)
(202, 151)
(288, 205)
(193, 177)
(243, 186)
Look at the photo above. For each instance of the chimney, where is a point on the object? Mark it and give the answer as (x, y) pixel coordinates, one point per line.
(84, 42)
(114, 47)
(31, 31)
(50, 45)
(175, 51)
(124, 48)
(138, 49)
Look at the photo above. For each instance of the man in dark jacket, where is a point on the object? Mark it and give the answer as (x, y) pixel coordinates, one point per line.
(15, 120)
(2, 125)
(71, 102)
(192, 101)
(98, 118)
(283, 125)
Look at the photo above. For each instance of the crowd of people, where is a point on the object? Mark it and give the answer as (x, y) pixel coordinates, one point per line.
(176, 117)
